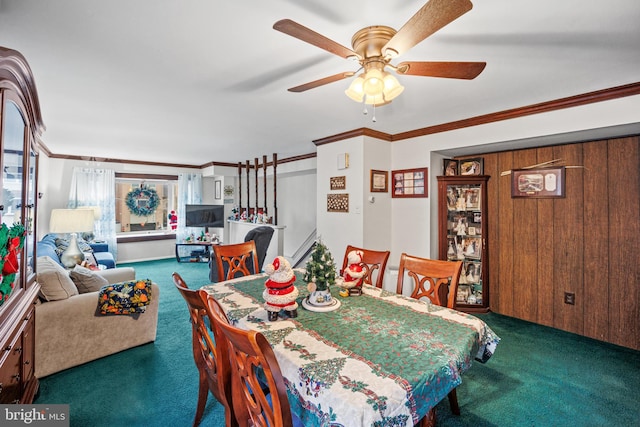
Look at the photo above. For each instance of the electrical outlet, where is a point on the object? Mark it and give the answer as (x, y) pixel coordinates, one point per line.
(569, 298)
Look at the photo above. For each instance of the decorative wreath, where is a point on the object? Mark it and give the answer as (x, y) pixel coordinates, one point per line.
(149, 195)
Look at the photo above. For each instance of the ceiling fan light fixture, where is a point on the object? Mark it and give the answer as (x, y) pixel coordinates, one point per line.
(373, 84)
(355, 90)
(376, 101)
(392, 87)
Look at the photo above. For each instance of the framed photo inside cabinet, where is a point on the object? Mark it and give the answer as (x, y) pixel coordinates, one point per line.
(450, 167)
(472, 247)
(409, 182)
(472, 199)
(471, 166)
(538, 183)
(471, 273)
(379, 181)
(463, 293)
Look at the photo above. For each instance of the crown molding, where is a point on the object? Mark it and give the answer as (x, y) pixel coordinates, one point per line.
(543, 107)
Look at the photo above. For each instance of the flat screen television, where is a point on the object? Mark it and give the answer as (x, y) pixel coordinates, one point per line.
(204, 216)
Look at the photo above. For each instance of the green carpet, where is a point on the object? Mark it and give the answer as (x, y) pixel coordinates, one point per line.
(538, 377)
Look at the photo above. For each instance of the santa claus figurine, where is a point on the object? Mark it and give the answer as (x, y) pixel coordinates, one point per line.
(280, 293)
(173, 220)
(352, 276)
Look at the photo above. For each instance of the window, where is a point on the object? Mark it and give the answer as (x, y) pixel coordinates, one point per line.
(143, 203)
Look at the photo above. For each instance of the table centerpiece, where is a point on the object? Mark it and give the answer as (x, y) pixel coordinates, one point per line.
(320, 274)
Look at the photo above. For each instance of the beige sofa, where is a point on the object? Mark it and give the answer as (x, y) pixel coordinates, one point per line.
(69, 333)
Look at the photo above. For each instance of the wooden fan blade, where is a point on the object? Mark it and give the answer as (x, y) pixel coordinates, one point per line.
(321, 82)
(434, 15)
(303, 33)
(450, 70)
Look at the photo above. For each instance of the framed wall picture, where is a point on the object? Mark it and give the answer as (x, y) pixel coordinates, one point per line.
(409, 183)
(338, 183)
(471, 166)
(379, 181)
(450, 167)
(337, 202)
(538, 183)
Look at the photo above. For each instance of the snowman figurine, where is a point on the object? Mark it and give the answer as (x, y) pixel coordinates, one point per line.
(280, 292)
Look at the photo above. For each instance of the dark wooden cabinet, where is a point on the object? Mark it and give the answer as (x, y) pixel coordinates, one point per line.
(462, 229)
(20, 129)
(17, 382)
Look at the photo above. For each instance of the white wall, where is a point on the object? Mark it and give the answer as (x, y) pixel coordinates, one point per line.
(296, 207)
(338, 229)
(54, 180)
(296, 199)
(376, 214)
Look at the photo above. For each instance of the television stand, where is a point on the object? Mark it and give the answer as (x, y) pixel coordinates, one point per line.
(193, 252)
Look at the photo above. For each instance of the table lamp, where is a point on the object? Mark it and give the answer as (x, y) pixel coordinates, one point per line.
(89, 236)
(71, 221)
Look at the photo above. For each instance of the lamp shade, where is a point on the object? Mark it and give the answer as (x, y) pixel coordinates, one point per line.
(392, 87)
(71, 220)
(355, 90)
(97, 212)
(373, 82)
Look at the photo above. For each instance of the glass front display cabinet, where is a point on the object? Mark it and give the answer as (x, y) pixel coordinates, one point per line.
(462, 228)
(20, 130)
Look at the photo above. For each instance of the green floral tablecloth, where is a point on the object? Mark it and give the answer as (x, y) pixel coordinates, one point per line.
(381, 359)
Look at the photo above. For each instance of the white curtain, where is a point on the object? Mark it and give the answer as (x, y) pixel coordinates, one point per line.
(189, 193)
(97, 187)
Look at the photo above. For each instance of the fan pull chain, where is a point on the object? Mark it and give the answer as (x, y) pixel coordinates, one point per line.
(373, 119)
(364, 105)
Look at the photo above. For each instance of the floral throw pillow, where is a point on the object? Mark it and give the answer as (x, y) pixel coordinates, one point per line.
(125, 298)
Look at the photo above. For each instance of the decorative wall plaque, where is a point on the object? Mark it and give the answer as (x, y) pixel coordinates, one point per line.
(338, 183)
(337, 203)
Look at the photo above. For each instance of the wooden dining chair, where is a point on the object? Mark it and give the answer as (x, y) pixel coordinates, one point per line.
(375, 263)
(433, 279)
(438, 281)
(211, 355)
(259, 394)
(236, 260)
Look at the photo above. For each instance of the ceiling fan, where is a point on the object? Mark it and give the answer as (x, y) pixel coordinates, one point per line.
(376, 46)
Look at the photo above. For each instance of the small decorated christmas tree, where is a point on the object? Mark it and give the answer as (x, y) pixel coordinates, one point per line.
(320, 269)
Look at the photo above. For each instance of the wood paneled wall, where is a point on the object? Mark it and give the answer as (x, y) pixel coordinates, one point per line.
(587, 243)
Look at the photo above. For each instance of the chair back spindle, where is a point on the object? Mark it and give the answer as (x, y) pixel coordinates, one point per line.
(434, 279)
(236, 260)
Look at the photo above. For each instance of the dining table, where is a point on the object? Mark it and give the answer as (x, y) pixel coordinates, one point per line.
(380, 359)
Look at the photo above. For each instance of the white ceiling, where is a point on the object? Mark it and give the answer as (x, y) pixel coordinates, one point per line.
(195, 81)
